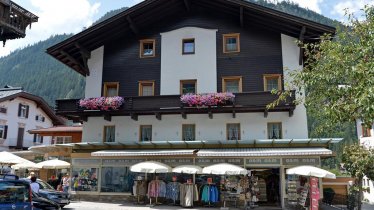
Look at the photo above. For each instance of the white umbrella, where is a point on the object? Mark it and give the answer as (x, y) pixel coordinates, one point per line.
(26, 165)
(150, 167)
(224, 169)
(310, 171)
(54, 164)
(188, 169)
(7, 158)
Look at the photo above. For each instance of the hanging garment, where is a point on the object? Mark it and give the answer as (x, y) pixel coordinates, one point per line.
(209, 194)
(172, 190)
(156, 188)
(188, 194)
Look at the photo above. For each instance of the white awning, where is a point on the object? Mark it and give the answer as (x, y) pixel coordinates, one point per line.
(116, 153)
(258, 152)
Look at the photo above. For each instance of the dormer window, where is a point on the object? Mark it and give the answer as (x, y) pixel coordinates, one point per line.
(231, 43)
(147, 48)
(188, 46)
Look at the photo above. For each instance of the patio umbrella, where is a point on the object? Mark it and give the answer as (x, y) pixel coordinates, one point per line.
(7, 158)
(53, 164)
(224, 169)
(188, 169)
(26, 165)
(150, 167)
(310, 171)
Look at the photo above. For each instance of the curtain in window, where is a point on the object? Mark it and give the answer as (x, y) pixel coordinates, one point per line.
(272, 84)
(110, 134)
(188, 133)
(233, 132)
(232, 86)
(146, 133)
(231, 44)
(111, 92)
(274, 131)
(147, 90)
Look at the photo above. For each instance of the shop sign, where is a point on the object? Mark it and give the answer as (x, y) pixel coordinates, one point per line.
(211, 161)
(86, 162)
(176, 162)
(121, 162)
(263, 161)
(301, 161)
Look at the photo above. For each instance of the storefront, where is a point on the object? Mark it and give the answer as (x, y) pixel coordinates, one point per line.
(108, 172)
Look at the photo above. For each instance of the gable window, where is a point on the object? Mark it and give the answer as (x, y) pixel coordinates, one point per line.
(111, 89)
(188, 132)
(233, 131)
(146, 88)
(232, 84)
(147, 48)
(272, 82)
(3, 110)
(39, 118)
(365, 131)
(109, 134)
(23, 111)
(146, 133)
(188, 46)
(188, 86)
(3, 131)
(63, 139)
(274, 130)
(231, 43)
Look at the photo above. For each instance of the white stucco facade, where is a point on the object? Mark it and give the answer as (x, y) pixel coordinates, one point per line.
(200, 66)
(11, 119)
(94, 80)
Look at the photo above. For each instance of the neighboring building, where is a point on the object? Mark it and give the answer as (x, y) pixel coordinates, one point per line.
(19, 112)
(158, 50)
(61, 134)
(14, 20)
(366, 137)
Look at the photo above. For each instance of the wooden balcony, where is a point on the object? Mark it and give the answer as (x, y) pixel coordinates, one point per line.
(13, 20)
(171, 104)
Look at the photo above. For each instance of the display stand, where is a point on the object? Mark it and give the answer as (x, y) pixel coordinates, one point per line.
(292, 190)
(252, 193)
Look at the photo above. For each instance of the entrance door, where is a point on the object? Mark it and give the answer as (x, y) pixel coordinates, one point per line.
(21, 133)
(268, 186)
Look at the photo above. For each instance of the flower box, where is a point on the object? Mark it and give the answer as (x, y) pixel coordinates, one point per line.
(102, 103)
(207, 99)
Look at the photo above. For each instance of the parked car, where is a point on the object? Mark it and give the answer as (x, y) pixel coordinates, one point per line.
(48, 192)
(39, 202)
(15, 194)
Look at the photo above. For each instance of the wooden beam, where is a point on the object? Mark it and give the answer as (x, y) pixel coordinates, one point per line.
(84, 118)
(210, 115)
(266, 112)
(83, 51)
(290, 113)
(184, 115)
(233, 114)
(107, 117)
(158, 116)
(301, 39)
(241, 17)
(187, 4)
(75, 61)
(133, 27)
(134, 116)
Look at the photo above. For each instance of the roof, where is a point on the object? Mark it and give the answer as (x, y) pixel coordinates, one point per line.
(75, 51)
(9, 93)
(130, 153)
(259, 152)
(68, 129)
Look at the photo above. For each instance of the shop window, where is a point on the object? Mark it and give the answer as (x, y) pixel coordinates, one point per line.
(188, 86)
(147, 48)
(274, 130)
(272, 82)
(146, 133)
(188, 132)
(111, 89)
(23, 111)
(231, 43)
(63, 139)
(232, 84)
(84, 179)
(3, 131)
(365, 131)
(116, 179)
(109, 133)
(233, 131)
(188, 46)
(146, 88)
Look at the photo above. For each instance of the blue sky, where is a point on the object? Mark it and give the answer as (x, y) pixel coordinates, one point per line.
(71, 16)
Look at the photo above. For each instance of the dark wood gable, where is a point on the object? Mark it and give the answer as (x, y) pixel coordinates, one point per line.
(74, 51)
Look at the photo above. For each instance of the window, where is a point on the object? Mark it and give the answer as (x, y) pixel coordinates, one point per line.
(365, 131)
(3, 110)
(188, 46)
(147, 48)
(188, 132)
(274, 130)
(38, 138)
(146, 88)
(86, 177)
(39, 118)
(23, 111)
(272, 82)
(146, 133)
(111, 89)
(3, 131)
(233, 131)
(63, 139)
(231, 43)
(116, 179)
(109, 133)
(187, 86)
(232, 84)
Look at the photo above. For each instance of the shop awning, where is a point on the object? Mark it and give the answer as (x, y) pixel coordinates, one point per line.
(116, 153)
(258, 152)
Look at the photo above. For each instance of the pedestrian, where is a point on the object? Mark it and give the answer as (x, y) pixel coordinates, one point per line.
(32, 174)
(66, 183)
(34, 185)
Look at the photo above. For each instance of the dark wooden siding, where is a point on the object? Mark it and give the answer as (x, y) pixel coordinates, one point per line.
(261, 53)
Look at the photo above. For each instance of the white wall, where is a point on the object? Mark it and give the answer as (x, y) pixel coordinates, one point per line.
(94, 81)
(366, 141)
(12, 120)
(201, 66)
(290, 58)
(253, 126)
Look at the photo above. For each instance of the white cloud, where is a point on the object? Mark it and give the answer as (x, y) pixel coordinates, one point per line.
(353, 6)
(310, 4)
(55, 17)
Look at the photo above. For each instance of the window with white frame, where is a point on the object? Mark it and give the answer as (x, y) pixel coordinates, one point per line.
(146, 133)
(3, 110)
(109, 133)
(274, 130)
(233, 131)
(23, 111)
(40, 118)
(3, 131)
(38, 138)
(188, 132)
(63, 139)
